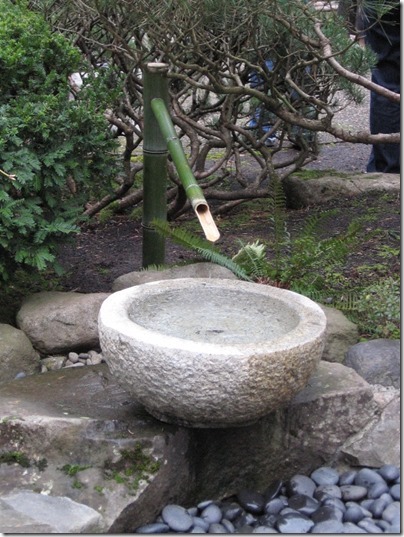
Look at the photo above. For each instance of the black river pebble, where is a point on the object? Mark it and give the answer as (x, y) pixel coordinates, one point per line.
(355, 501)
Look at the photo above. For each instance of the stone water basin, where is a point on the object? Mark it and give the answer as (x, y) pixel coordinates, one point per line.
(211, 352)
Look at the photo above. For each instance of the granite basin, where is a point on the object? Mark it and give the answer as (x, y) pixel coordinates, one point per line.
(211, 352)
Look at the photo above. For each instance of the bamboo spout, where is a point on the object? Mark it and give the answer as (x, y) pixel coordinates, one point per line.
(192, 189)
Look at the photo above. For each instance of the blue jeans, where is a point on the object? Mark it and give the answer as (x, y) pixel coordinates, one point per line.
(384, 39)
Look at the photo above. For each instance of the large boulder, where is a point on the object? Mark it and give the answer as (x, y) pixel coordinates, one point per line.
(17, 355)
(193, 270)
(301, 192)
(378, 361)
(340, 335)
(57, 322)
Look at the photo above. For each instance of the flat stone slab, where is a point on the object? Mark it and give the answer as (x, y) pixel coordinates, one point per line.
(73, 433)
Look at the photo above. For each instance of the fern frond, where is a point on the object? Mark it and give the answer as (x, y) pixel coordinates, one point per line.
(199, 245)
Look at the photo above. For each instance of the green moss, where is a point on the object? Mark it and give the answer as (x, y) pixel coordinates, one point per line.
(73, 469)
(12, 457)
(133, 466)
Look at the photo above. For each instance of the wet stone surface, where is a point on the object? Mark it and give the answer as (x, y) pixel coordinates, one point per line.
(356, 501)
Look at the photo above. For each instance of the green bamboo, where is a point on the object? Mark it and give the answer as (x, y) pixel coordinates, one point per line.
(155, 165)
(192, 189)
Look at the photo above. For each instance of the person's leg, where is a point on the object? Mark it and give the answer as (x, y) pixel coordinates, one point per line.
(384, 39)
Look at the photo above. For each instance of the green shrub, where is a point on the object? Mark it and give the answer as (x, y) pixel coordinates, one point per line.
(53, 151)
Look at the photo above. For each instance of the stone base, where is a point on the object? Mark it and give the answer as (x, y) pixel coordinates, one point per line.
(65, 436)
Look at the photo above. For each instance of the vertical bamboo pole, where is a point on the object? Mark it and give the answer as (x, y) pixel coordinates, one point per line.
(155, 165)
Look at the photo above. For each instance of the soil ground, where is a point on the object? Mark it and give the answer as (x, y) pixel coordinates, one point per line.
(102, 252)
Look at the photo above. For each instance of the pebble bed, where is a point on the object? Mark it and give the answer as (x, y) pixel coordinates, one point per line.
(355, 501)
(73, 359)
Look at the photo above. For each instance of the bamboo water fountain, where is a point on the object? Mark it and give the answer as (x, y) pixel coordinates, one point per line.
(203, 352)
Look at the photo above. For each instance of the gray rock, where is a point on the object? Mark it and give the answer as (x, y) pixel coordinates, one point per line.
(53, 363)
(57, 322)
(328, 526)
(377, 361)
(353, 492)
(379, 443)
(300, 484)
(294, 523)
(212, 514)
(308, 192)
(17, 354)
(325, 476)
(340, 335)
(81, 417)
(177, 518)
(389, 472)
(59, 514)
(194, 270)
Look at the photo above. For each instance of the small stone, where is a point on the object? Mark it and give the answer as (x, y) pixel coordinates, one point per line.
(205, 503)
(330, 490)
(300, 484)
(294, 523)
(156, 527)
(251, 501)
(212, 514)
(368, 525)
(73, 357)
(347, 478)
(377, 507)
(54, 363)
(193, 511)
(389, 472)
(228, 525)
(376, 490)
(395, 492)
(264, 529)
(367, 477)
(304, 504)
(353, 514)
(95, 359)
(20, 375)
(44, 369)
(217, 528)
(350, 527)
(231, 511)
(84, 356)
(325, 476)
(177, 517)
(68, 362)
(198, 521)
(391, 512)
(273, 507)
(353, 492)
(245, 519)
(326, 512)
(335, 502)
(197, 529)
(77, 364)
(328, 526)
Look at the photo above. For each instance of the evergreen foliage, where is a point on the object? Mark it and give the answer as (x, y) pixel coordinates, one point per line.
(53, 150)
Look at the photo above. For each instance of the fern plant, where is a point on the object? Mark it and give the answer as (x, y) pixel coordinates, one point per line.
(201, 246)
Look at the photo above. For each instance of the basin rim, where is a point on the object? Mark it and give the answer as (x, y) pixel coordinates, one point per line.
(114, 317)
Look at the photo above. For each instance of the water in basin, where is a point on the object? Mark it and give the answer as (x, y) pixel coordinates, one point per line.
(213, 315)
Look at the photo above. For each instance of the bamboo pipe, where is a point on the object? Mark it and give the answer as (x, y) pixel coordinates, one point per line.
(192, 189)
(155, 166)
